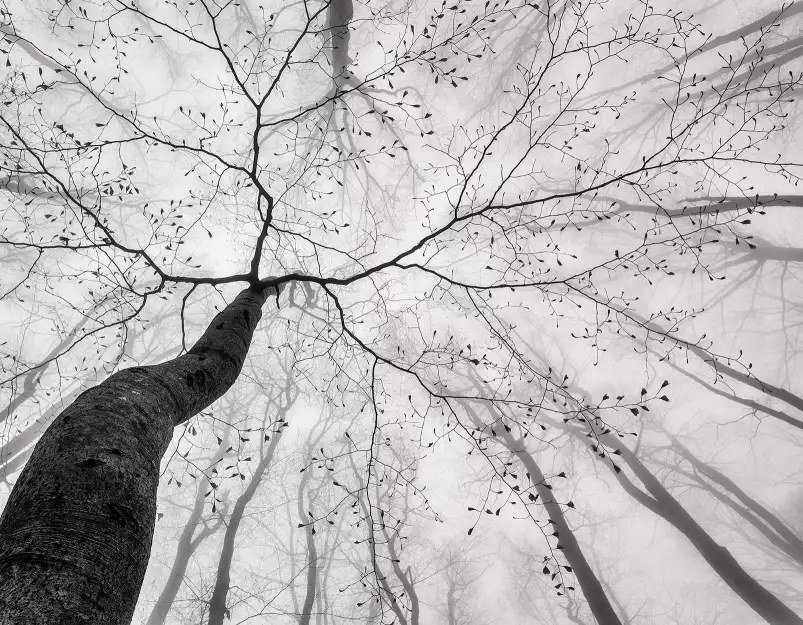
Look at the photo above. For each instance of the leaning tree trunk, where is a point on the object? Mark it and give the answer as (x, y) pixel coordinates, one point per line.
(593, 591)
(76, 533)
(766, 604)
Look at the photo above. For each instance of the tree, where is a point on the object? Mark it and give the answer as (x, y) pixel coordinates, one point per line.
(403, 187)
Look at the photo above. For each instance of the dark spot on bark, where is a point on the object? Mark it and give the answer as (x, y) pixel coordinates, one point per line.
(247, 318)
(122, 516)
(116, 452)
(201, 358)
(137, 370)
(90, 463)
(219, 326)
(196, 379)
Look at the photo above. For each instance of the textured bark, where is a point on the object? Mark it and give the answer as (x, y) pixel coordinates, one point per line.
(76, 533)
(217, 604)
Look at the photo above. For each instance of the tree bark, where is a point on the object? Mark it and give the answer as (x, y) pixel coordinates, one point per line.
(76, 533)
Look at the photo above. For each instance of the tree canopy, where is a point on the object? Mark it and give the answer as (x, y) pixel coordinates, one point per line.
(530, 272)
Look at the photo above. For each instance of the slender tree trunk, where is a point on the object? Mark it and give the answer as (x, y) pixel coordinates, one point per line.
(76, 533)
(31, 378)
(451, 612)
(721, 368)
(217, 604)
(312, 554)
(15, 453)
(766, 604)
(772, 527)
(187, 544)
(405, 577)
(381, 578)
(592, 589)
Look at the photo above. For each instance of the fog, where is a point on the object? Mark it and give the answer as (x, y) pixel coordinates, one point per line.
(529, 282)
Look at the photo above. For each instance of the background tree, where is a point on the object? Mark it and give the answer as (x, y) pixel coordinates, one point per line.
(448, 213)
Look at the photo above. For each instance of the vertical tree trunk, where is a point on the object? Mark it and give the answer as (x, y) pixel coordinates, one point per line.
(76, 533)
(405, 577)
(312, 554)
(217, 604)
(451, 612)
(187, 544)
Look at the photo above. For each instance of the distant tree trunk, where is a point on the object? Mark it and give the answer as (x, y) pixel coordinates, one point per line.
(405, 577)
(592, 589)
(76, 533)
(312, 554)
(187, 544)
(772, 527)
(31, 379)
(381, 578)
(217, 604)
(766, 604)
(451, 612)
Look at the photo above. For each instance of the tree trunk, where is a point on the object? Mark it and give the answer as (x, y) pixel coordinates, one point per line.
(187, 544)
(312, 554)
(767, 605)
(76, 533)
(592, 589)
(782, 537)
(217, 604)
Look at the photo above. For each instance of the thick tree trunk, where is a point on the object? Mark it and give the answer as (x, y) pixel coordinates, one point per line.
(76, 533)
